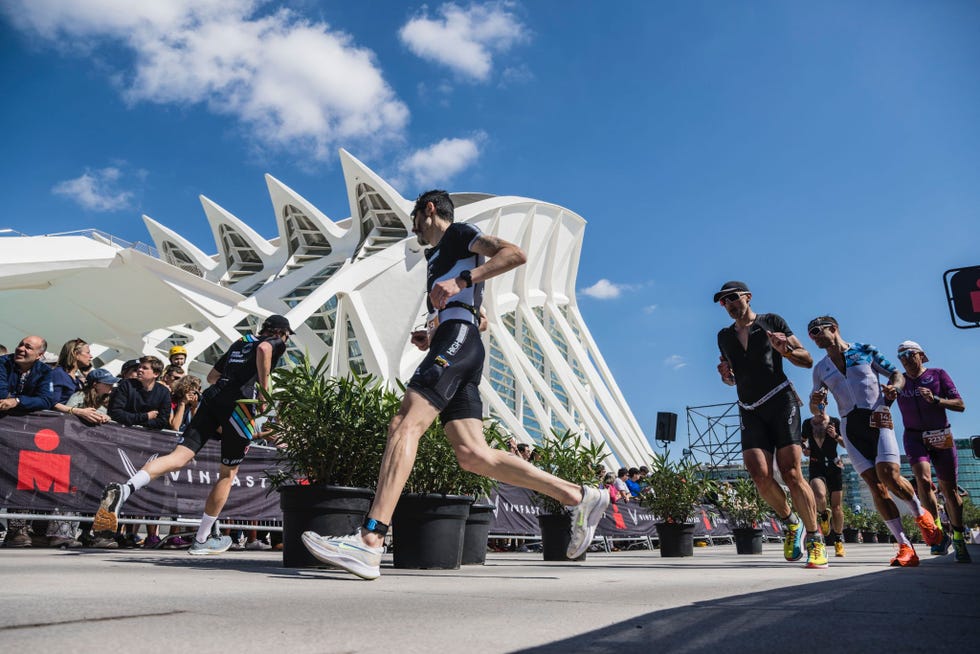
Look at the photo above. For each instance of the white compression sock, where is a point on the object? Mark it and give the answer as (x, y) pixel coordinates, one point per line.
(204, 531)
(895, 526)
(136, 482)
(916, 505)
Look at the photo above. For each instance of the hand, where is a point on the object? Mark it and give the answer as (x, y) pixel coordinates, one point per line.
(779, 342)
(926, 394)
(832, 431)
(7, 404)
(819, 396)
(152, 415)
(442, 291)
(91, 415)
(890, 392)
(725, 370)
(420, 339)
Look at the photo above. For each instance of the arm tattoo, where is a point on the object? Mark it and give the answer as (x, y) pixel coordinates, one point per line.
(487, 245)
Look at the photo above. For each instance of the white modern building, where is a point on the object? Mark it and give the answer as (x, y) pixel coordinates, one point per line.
(352, 289)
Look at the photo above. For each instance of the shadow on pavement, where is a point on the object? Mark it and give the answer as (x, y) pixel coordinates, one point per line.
(934, 607)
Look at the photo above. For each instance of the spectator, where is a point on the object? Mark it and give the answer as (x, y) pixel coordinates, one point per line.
(129, 369)
(68, 377)
(91, 404)
(25, 387)
(633, 482)
(178, 356)
(621, 487)
(524, 451)
(171, 375)
(186, 394)
(3, 350)
(609, 483)
(143, 401)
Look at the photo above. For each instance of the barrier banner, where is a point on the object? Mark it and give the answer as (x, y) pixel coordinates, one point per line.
(517, 513)
(51, 461)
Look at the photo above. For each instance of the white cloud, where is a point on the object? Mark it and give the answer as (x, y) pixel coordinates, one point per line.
(290, 82)
(649, 309)
(439, 162)
(95, 190)
(675, 362)
(464, 39)
(604, 290)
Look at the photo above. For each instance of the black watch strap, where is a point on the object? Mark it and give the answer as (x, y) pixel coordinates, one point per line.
(467, 277)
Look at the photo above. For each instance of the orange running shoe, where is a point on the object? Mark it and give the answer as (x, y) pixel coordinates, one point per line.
(906, 558)
(931, 534)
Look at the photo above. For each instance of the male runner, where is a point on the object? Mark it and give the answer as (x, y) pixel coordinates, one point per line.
(227, 413)
(927, 394)
(850, 372)
(446, 385)
(821, 434)
(752, 352)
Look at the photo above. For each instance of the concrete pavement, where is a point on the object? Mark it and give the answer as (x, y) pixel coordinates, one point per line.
(95, 600)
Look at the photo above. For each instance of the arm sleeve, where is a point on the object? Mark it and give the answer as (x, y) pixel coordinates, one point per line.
(4, 383)
(64, 386)
(43, 396)
(817, 382)
(880, 364)
(468, 233)
(163, 401)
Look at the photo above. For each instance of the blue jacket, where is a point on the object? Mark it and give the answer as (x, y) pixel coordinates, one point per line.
(38, 392)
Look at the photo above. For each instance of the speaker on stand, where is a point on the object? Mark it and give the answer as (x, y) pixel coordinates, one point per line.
(666, 428)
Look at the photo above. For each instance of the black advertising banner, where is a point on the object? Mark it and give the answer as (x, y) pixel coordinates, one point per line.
(52, 461)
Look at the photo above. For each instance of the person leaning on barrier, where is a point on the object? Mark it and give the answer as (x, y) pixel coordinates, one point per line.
(91, 404)
(144, 401)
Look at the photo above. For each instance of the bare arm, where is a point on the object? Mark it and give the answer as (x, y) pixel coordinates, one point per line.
(791, 348)
(214, 375)
(896, 382)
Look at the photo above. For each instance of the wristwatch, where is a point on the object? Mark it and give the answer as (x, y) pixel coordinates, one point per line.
(467, 277)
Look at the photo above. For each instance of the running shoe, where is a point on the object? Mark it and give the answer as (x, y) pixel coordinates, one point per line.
(347, 552)
(585, 517)
(931, 534)
(104, 540)
(151, 542)
(942, 547)
(816, 554)
(211, 546)
(107, 517)
(258, 545)
(839, 549)
(959, 551)
(793, 538)
(906, 558)
(825, 522)
(176, 543)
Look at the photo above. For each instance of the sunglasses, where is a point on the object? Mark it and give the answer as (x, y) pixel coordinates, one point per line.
(907, 354)
(731, 297)
(816, 329)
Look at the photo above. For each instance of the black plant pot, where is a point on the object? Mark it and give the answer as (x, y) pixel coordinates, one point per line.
(327, 510)
(869, 537)
(676, 539)
(885, 537)
(476, 533)
(748, 540)
(850, 535)
(428, 531)
(556, 534)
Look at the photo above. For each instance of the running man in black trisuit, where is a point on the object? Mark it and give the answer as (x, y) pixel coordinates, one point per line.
(821, 435)
(752, 352)
(445, 385)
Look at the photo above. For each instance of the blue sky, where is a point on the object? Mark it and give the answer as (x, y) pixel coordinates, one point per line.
(828, 154)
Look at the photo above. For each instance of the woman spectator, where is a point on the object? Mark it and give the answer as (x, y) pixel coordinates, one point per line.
(186, 395)
(91, 404)
(74, 362)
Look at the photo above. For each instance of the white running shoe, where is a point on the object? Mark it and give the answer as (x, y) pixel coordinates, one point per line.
(211, 546)
(585, 517)
(346, 552)
(258, 545)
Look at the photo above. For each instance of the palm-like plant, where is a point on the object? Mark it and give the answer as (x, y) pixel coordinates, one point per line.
(330, 430)
(741, 503)
(437, 469)
(676, 489)
(569, 456)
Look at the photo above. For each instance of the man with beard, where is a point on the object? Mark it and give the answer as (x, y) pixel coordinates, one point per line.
(752, 352)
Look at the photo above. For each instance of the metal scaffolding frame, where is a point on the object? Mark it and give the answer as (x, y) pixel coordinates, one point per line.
(716, 430)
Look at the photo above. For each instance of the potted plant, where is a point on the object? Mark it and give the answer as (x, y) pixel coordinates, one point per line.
(744, 508)
(480, 519)
(877, 524)
(852, 525)
(911, 529)
(571, 457)
(331, 434)
(869, 532)
(676, 489)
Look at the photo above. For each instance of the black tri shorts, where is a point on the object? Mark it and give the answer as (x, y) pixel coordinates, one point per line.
(233, 424)
(773, 425)
(831, 474)
(449, 375)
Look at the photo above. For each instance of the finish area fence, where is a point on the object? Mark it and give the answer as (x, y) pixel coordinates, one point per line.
(50, 462)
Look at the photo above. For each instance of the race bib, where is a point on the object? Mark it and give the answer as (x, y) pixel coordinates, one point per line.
(939, 439)
(881, 418)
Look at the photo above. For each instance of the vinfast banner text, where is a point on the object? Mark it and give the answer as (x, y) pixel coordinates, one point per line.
(52, 461)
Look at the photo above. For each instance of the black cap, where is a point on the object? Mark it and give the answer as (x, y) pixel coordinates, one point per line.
(132, 363)
(275, 321)
(731, 287)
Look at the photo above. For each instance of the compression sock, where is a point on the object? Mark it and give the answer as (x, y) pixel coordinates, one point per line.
(204, 531)
(895, 526)
(791, 519)
(916, 506)
(136, 482)
(958, 534)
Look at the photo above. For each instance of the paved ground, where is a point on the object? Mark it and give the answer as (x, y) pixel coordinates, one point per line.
(92, 601)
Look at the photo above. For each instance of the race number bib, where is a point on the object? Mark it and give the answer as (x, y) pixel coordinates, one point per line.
(881, 418)
(939, 439)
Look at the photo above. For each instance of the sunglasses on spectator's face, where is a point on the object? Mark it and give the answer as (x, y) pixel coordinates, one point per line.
(907, 354)
(731, 297)
(816, 329)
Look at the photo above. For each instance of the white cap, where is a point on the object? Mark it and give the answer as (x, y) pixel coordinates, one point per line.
(911, 346)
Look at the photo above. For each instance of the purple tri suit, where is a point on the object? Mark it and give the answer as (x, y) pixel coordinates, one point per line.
(920, 417)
